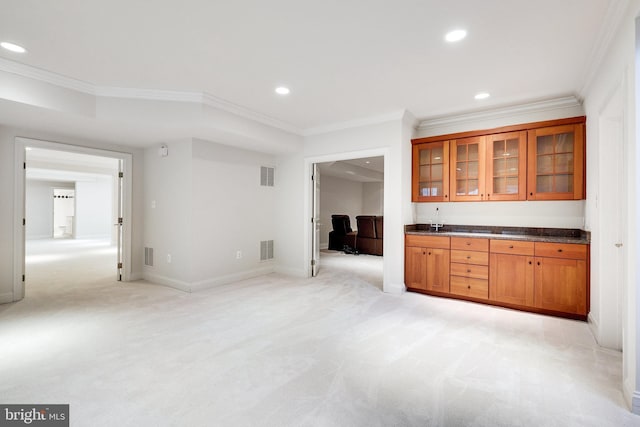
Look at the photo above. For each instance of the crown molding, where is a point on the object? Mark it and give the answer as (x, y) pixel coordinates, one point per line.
(503, 112)
(397, 115)
(613, 18)
(46, 76)
(142, 94)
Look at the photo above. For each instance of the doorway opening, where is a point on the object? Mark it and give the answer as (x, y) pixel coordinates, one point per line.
(75, 202)
(348, 218)
(64, 212)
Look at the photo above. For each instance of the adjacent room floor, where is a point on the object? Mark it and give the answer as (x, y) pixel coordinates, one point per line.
(283, 351)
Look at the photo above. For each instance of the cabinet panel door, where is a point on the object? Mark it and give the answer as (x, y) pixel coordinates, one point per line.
(430, 174)
(561, 285)
(415, 272)
(556, 163)
(507, 166)
(438, 270)
(511, 279)
(468, 169)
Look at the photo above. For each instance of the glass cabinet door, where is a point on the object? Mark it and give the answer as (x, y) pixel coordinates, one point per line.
(468, 166)
(506, 166)
(431, 171)
(556, 156)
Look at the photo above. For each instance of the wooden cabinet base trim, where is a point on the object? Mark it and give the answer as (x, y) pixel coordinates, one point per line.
(501, 304)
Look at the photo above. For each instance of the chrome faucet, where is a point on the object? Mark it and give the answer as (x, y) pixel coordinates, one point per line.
(437, 225)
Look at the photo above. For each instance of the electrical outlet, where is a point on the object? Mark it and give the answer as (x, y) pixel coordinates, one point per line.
(238, 254)
(168, 258)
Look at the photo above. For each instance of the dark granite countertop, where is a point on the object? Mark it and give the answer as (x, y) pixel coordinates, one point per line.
(553, 235)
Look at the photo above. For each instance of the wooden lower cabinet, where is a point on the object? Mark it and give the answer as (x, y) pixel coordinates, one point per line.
(427, 262)
(511, 279)
(560, 285)
(543, 277)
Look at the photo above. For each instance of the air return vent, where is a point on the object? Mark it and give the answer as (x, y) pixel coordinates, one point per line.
(148, 257)
(266, 250)
(266, 176)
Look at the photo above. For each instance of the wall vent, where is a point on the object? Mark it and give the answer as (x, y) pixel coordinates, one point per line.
(148, 257)
(266, 250)
(266, 176)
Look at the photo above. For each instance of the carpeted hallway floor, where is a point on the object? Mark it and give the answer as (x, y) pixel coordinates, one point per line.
(283, 351)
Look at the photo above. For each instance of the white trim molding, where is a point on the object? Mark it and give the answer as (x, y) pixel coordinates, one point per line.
(396, 115)
(565, 102)
(6, 298)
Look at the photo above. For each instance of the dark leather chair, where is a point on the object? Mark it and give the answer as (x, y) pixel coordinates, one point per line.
(370, 234)
(342, 233)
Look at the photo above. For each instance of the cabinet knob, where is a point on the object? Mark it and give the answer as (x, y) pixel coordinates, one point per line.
(469, 287)
(559, 250)
(538, 262)
(468, 243)
(531, 194)
(530, 263)
(429, 253)
(468, 257)
(445, 196)
(468, 271)
(510, 246)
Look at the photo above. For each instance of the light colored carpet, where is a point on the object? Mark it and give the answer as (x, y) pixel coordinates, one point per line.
(282, 351)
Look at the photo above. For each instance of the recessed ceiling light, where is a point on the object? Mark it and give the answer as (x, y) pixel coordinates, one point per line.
(368, 162)
(281, 90)
(455, 35)
(13, 47)
(482, 95)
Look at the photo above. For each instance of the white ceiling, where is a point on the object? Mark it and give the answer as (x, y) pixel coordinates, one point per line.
(367, 169)
(343, 60)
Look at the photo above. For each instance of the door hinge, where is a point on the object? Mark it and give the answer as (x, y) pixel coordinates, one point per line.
(120, 174)
(313, 263)
(119, 265)
(120, 220)
(23, 277)
(24, 165)
(24, 221)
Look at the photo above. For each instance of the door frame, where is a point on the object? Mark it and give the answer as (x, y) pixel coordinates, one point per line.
(20, 210)
(308, 197)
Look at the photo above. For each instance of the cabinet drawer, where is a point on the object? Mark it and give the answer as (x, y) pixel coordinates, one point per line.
(561, 250)
(469, 244)
(515, 247)
(438, 242)
(470, 257)
(476, 288)
(470, 270)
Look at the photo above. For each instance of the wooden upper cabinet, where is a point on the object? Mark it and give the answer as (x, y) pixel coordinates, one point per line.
(468, 169)
(430, 177)
(530, 161)
(556, 163)
(506, 166)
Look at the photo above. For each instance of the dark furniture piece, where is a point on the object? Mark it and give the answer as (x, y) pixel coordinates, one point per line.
(342, 233)
(370, 234)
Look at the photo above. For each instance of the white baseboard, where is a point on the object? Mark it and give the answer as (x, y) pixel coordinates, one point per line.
(6, 298)
(593, 325)
(136, 276)
(295, 272)
(224, 280)
(324, 246)
(395, 288)
(166, 281)
(39, 237)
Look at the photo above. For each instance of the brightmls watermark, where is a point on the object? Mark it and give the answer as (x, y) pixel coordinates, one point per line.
(34, 415)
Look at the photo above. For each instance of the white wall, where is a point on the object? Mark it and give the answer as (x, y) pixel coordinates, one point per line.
(8, 223)
(373, 198)
(167, 213)
(94, 208)
(338, 196)
(231, 212)
(618, 69)
(39, 207)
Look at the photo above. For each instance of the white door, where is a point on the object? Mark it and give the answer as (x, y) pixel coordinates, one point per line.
(315, 233)
(613, 223)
